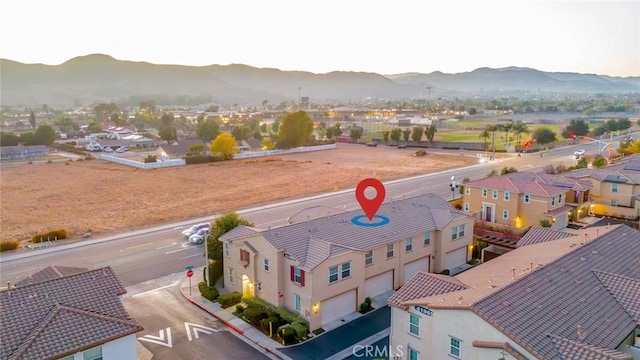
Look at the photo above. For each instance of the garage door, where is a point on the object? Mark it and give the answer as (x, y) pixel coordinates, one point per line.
(338, 306)
(379, 284)
(457, 258)
(412, 268)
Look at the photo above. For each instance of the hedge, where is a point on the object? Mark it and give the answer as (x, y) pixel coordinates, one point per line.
(229, 299)
(9, 245)
(51, 235)
(200, 159)
(254, 314)
(298, 323)
(216, 271)
(208, 292)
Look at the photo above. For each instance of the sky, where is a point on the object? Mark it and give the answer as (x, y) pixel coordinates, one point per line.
(380, 36)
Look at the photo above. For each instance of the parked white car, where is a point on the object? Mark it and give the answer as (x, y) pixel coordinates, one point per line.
(198, 237)
(580, 152)
(122, 149)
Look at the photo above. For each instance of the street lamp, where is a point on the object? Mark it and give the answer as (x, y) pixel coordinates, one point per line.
(299, 102)
(453, 186)
(206, 254)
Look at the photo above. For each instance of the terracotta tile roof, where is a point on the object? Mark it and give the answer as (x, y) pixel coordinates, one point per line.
(626, 291)
(424, 284)
(517, 185)
(560, 180)
(537, 235)
(567, 299)
(570, 349)
(50, 272)
(61, 316)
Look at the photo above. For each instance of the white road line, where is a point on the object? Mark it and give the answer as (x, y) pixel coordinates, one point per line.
(185, 257)
(153, 290)
(135, 246)
(175, 251)
(166, 246)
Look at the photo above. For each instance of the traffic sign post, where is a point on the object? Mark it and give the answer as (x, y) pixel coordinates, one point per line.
(189, 275)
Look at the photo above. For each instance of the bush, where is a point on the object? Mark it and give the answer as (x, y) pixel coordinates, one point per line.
(150, 159)
(288, 335)
(301, 329)
(285, 315)
(367, 301)
(201, 159)
(599, 162)
(445, 272)
(216, 271)
(232, 298)
(472, 261)
(208, 292)
(545, 223)
(9, 245)
(364, 307)
(239, 310)
(49, 236)
(254, 314)
(272, 322)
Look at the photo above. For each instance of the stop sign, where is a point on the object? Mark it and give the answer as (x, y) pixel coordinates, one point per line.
(190, 273)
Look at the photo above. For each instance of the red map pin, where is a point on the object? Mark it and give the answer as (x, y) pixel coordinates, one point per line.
(370, 206)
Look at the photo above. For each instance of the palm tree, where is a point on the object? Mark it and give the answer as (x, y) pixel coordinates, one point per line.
(492, 129)
(485, 135)
(506, 128)
(519, 128)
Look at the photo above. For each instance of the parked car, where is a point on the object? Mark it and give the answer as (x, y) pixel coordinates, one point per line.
(402, 146)
(580, 152)
(122, 149)
(372, 143)
(107, 149)
(198, 237)
(195, 228)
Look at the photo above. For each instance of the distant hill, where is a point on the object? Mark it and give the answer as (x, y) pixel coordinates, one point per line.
(97, 77)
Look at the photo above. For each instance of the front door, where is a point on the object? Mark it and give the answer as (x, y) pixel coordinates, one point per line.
(488, 213)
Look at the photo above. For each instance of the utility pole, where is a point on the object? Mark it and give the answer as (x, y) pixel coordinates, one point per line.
(299, 101)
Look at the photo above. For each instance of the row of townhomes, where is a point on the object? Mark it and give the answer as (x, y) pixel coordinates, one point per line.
(557, 296)
(67, 313)
(324, 266)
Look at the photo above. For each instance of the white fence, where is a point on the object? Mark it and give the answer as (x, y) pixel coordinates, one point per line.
(254, 154)
(142, 165)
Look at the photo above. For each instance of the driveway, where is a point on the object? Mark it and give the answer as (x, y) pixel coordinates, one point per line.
(341, 338)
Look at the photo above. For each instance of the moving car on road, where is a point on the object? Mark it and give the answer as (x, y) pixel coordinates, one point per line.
(195, 228)
(579, 153)
(198, 237)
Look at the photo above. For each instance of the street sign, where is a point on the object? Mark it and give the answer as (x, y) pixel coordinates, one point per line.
(190, 267)
(190, 273)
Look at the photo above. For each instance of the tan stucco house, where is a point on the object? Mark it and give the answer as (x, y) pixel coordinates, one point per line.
(523, 199)
(570, 298)
(324, 267)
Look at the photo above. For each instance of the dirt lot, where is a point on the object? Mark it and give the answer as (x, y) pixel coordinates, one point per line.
(107, 198)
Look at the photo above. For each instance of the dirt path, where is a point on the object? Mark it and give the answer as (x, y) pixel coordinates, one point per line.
(107, 198)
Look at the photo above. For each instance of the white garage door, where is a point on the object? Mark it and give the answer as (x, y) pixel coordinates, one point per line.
(457, 258)
(379, 284)
(412, 268)
(338, 306)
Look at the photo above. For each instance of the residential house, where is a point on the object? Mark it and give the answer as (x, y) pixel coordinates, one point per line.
(178, 149)
(67, 315)
(571, 298)
(322, 268)
(250, 145)
(23, 151)
(523, 199)
(49, 273)
(616, 188)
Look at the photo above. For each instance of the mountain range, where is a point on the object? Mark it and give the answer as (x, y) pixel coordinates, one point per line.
(101, 78)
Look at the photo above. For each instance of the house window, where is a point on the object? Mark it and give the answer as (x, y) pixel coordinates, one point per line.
(227, 249)
(461, 231)
(484, 192)
(297, 301)
(614, 188)
(414, 324)
(494, 195)
(505, 214)
(231, 275)
(389, 251)
(93, 353)
(454, 347)
(614, 202)
(259, 286)
(408, 245)
(346, 270)
(413, 354)
(368, 258)
(507, 196)
(427, 238)
(265, 262)
(333, 274)
(467, 190)
(560, 199)
(553, 200)
(297, 275)
(466, 207)
(244, 257)
(527, 198)
(457, 232)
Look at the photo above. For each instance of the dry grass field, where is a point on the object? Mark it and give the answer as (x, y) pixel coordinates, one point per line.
(106, 198)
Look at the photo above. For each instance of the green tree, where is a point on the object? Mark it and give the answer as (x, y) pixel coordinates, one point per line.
(431, 132)
(472, 111)
(520, 128)
(222, 225)
(295, 130)
(492, 130)
(506, 128)
(599, 162)
(94, 128)
(577, 126)
(416, 134)
(167, 119)
(32, 119)
(242, 132)
(44, 135)
(355, 134)
(385, 136)
(631, 147)
(66, 125)
(396, 133)
(337, 130)
(322, 130)
(208, 130)
(544, 135)
(224, 144)
(196, 148)
(406, 133)
(9, 139)
(187, 128)
(168, 133)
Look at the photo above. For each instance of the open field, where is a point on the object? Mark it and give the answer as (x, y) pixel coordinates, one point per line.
(106, 198)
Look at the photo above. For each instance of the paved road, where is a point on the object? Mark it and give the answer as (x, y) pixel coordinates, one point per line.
(175, 329)
(343, 337)
(152, 253)
(376, 351)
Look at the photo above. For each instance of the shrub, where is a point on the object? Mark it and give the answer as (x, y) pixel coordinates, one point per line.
(49, 236)
(508, 170)
(272, 322)
(232, 298)
(208, 292)
(364, 307)
(367, 301)
(472, 261)
(216, 271)
(300, 329)
(288, 335)
(254, 314)
(599, 162)
(239, 310)
(445, 272)
(9, 245)
(545, 223)
(150, 159)
(201, 159)
(420, 152)
(493, 172)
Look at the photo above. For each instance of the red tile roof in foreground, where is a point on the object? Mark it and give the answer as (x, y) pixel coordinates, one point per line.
(61, 316)
(424, 284)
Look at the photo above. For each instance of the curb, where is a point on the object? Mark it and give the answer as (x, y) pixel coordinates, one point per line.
(227, 323)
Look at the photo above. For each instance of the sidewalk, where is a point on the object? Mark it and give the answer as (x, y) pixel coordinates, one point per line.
(246, 332)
